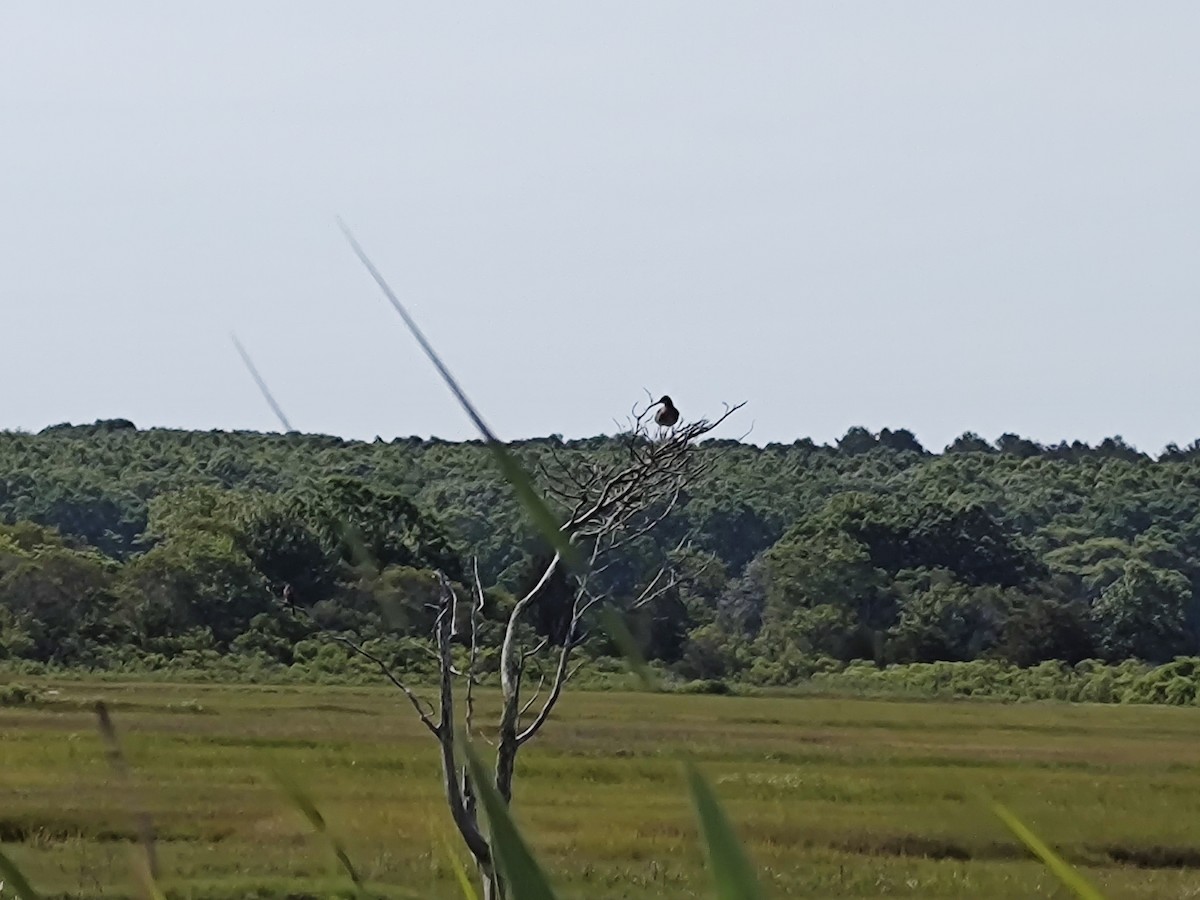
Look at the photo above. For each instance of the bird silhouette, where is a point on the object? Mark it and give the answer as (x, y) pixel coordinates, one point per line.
(667, 415)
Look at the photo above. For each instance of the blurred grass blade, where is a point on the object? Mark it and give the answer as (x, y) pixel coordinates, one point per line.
(349, 534)
(1056, 864)
(308, 808)
(145, 880)
(262, 385)
(539, 512)
(119, 765)
(732, 873)
(525, 878)
(15, 880)
(543, 518)
(616, 629)
(460, 872)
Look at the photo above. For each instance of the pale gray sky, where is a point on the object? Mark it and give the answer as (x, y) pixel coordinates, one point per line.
(941, 216)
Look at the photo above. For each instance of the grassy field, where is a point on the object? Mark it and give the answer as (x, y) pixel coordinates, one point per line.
(835, 798)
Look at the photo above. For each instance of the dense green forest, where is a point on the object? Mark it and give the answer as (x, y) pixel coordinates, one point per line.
(120, 546)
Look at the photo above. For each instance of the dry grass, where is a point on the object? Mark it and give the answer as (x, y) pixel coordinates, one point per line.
(836, 798)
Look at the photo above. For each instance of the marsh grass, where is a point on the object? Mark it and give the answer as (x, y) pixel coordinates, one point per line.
(832, 798)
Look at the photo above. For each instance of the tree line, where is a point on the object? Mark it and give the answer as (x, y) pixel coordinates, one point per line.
(119, 544)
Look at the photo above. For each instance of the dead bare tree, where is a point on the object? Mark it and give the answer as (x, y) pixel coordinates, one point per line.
(608, 502)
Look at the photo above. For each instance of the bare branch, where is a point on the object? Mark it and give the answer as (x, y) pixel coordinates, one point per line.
(560, 679)
(459, 795)
(476, 611)
(651, 525)
(509, 665)
(533, 651)
(536, 691)
(390, 676)
(425, 716)
(658, 586)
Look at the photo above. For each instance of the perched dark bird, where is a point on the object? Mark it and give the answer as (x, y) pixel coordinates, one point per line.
(289, 595)
(668, 415)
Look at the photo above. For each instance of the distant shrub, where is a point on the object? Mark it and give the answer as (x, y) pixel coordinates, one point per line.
(1176, 683)
(789, 668)
(714, 686)
(1173, 684)
(19, 695)
(188, 706)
